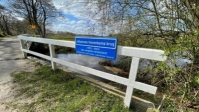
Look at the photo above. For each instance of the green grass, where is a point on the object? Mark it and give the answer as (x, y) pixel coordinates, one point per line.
(62, 37)
(59, 91)
(1, 34)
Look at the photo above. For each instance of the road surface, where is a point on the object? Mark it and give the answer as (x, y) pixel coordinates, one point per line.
(10, 61)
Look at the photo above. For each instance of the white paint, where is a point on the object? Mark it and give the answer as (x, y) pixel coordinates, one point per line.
(37, 54)
(152, 54)
(135, 53)
(22, 43)
(52, 55)
(131, 81)
(48, 41)
(101, 74)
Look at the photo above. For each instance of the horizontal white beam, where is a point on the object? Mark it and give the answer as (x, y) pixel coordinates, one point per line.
(121, 80)
(37, 54)
(151, 54)
(91, 71)
(145, 87)
(48, 41)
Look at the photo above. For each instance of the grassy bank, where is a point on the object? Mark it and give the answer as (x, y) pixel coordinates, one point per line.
(58, 91)
(62, 37)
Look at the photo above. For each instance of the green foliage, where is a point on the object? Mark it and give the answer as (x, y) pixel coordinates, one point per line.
(56, 91)
(170, 105)
(1, 34)
(180, 84)
(189, 43)
(139, 40)
(195, 80)
(63, 50)
(124, 63)
(185, 92)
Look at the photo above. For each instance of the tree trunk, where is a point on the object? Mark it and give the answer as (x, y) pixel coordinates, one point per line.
(6, 26)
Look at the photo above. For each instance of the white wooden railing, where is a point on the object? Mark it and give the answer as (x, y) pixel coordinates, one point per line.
(135, 53)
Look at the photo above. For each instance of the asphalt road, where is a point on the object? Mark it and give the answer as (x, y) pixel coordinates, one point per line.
(10, 49)
(10, 61)
(10, 56)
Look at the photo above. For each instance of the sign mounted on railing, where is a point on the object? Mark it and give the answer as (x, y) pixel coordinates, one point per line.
(97, 46)
(135, 53)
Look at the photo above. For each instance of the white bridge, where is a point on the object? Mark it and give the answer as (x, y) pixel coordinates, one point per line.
(135, 53)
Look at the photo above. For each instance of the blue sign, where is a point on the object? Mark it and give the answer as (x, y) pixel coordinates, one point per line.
(97, 46)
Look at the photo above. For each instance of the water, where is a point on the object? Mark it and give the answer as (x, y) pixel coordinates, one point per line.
(88, 61)
(181, 60)
(176, 61)
(93, 62)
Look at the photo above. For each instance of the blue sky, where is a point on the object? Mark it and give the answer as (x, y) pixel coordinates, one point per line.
(77, 17)
(82, 18)
(71, 17)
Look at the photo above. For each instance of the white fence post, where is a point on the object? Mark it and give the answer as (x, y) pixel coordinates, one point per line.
(132, 77)
(23, 47)
(52, 55)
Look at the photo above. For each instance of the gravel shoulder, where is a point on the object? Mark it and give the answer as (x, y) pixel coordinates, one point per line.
(6, 84)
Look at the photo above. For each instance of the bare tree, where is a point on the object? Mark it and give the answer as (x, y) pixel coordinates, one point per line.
(37, 12)
(156, 19)
(181, 15)
(5, 20)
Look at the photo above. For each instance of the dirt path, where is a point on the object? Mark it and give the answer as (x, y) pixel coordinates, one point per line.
(10, 61)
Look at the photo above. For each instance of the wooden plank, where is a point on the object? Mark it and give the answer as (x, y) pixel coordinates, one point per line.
(133, 69)
(151, 54)
(131, 80)
(91, 71)
(49, 41)
(52, 55)
(128, 95)
(145, 87)
(37, 54)
(22, 43)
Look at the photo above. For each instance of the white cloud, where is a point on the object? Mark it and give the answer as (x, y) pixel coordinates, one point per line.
(79, 8)
(81, 22)
(62, 19)
(73, 22)
(78, 27)
(88, 15)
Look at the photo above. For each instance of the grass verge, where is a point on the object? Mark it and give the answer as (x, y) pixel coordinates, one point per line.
(62, 37)
(58, 91)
